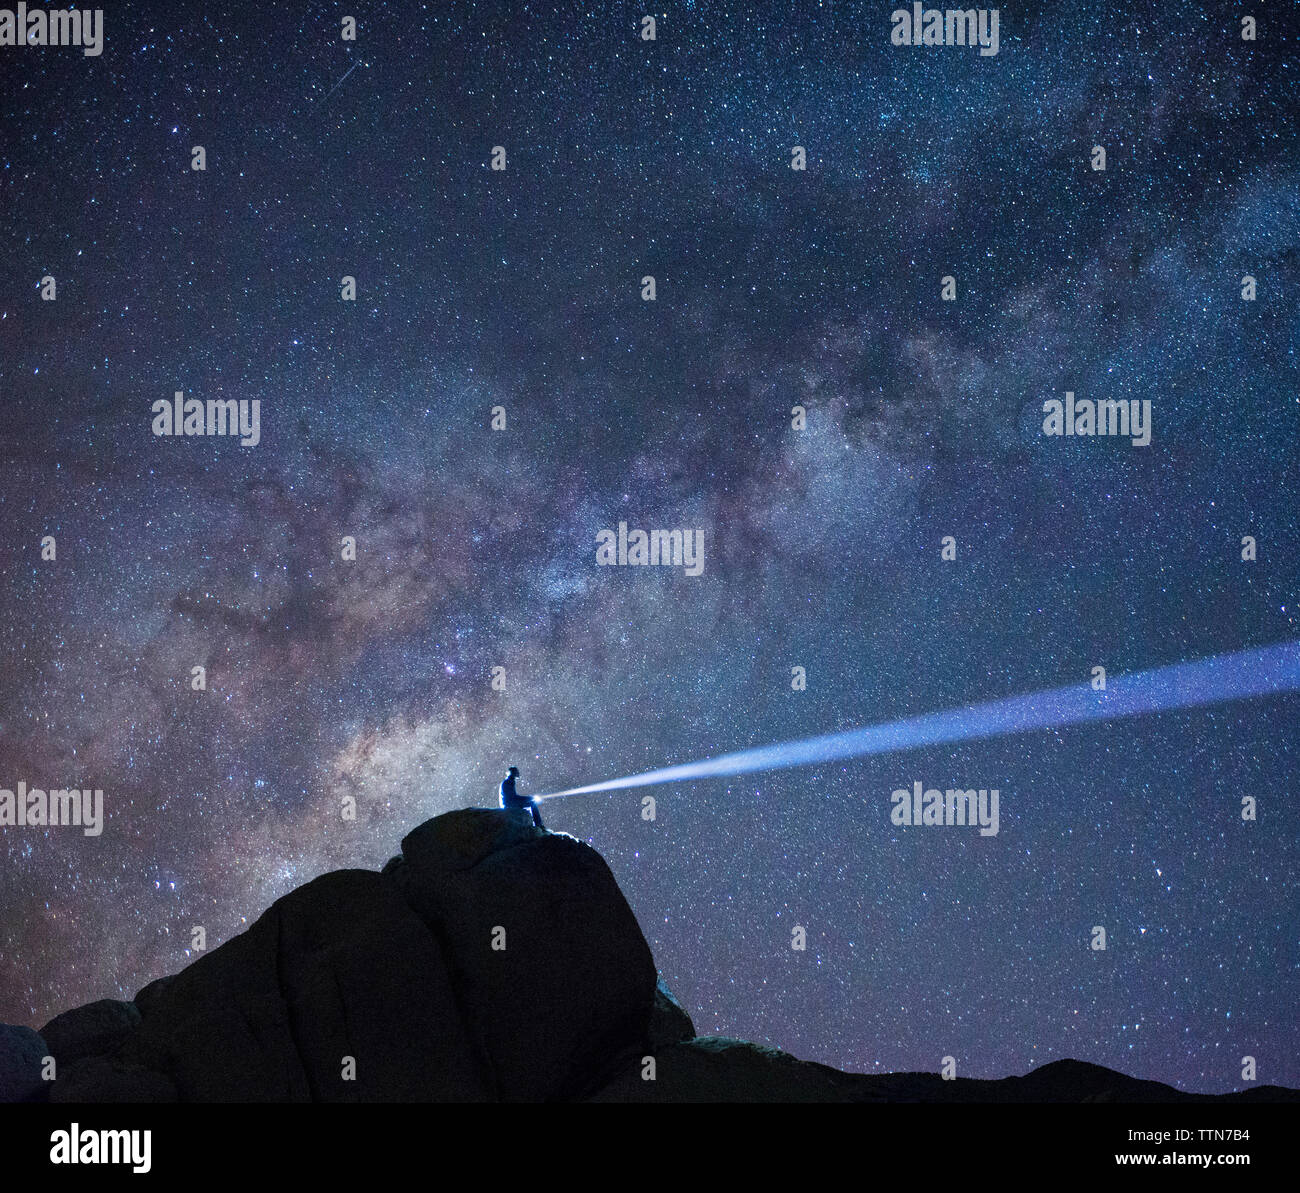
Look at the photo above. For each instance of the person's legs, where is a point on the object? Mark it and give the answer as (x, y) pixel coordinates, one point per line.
(537, 817)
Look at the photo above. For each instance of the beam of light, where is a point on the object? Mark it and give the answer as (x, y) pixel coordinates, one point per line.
(1237, 676)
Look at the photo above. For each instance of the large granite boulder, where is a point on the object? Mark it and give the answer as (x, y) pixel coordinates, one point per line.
(555, 977)
(492, 961)
(340, 968)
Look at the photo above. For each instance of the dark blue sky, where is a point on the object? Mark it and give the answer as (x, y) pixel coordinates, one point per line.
(477, 549)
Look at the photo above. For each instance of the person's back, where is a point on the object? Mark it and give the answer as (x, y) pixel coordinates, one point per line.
(510, 797)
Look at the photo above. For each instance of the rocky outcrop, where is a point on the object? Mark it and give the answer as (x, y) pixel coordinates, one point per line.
(22, 1055)
(554, 977)
(492, 961)
(717, 1069)
(669, 1023)
(96, 1029)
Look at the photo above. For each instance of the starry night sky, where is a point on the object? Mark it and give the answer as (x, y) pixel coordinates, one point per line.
(477, 549)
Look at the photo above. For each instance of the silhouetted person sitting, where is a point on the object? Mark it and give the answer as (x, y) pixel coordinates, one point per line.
(510, 798)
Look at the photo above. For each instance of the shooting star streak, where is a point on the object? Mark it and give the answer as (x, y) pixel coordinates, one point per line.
(342, 80)
(1238, 676)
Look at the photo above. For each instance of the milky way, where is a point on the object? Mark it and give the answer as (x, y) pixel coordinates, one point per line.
(775, 288)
